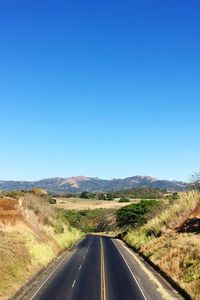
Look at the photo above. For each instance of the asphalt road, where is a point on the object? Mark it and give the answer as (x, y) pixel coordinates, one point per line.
(98, 269)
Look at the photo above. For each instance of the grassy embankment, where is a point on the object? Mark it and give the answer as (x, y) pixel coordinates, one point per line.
(175, 253)
(31, 235)
(48, 229)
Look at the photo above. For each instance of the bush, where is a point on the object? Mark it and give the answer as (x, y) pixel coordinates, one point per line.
(52, 200)
(121, 200)
(12, 194)
(195, 182)
(109, 196)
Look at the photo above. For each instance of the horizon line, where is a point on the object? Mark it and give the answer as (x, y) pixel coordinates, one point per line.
(92, 177)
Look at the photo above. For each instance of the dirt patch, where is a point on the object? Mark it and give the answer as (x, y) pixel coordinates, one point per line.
(7, 204)
(27, 241)
(10, 218)
(191, 223)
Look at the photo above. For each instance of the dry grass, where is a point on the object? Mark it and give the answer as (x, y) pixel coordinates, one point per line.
(85, 204)
(10, 217)
(39, 205)
(30, 242)
(14, 263)
(176, 254)
(166, 221)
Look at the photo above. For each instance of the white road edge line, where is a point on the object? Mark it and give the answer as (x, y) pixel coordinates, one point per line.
(131, 272)
(49, 277)
(54, 272)
(73, 283)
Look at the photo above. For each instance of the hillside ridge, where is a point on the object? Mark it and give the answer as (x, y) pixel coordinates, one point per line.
(82, 183)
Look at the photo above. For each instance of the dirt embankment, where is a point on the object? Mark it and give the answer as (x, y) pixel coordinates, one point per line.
(171, 241)
(31, 236)
(10, 217)
(191, 224)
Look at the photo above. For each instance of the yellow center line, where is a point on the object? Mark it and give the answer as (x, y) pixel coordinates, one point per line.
(103, 277)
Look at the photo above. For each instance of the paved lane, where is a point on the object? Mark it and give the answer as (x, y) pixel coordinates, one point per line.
(119, 280)
(68, 281)
(96, 270)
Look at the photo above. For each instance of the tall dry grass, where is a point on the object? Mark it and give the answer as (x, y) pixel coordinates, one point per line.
(178, 255)
(24, 253)
(165, 221)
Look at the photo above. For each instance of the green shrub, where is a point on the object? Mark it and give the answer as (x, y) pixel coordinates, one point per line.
(121, 200)
(96, 220)
(85, 195)
(173, 196)
(134, 214)
(52, 200)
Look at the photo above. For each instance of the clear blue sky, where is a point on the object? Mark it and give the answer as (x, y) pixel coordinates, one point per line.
(102, 88)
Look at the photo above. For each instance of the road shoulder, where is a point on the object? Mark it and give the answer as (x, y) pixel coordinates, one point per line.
(147, 278)
(30, 289)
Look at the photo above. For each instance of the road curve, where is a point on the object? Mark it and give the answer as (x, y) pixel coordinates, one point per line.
(98, 269)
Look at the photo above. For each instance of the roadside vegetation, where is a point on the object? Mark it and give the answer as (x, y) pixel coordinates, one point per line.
(96, 220)
(154, 222)
(135, 215)
(32, 234)
(158, 237)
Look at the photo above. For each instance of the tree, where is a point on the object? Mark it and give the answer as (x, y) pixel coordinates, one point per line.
(109, 196)
(195, 181)
(134, 215)
(85, 195)
(101, 196)
(173, 196)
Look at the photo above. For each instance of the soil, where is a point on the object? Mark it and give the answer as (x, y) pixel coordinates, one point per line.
(10, 218)
(191, 223)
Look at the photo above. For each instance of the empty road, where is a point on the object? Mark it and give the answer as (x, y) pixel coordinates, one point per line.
(99, 268)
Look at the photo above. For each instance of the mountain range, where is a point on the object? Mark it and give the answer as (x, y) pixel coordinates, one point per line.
(82, 183)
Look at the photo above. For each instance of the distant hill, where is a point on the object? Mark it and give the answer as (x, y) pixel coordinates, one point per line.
(82, 183)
